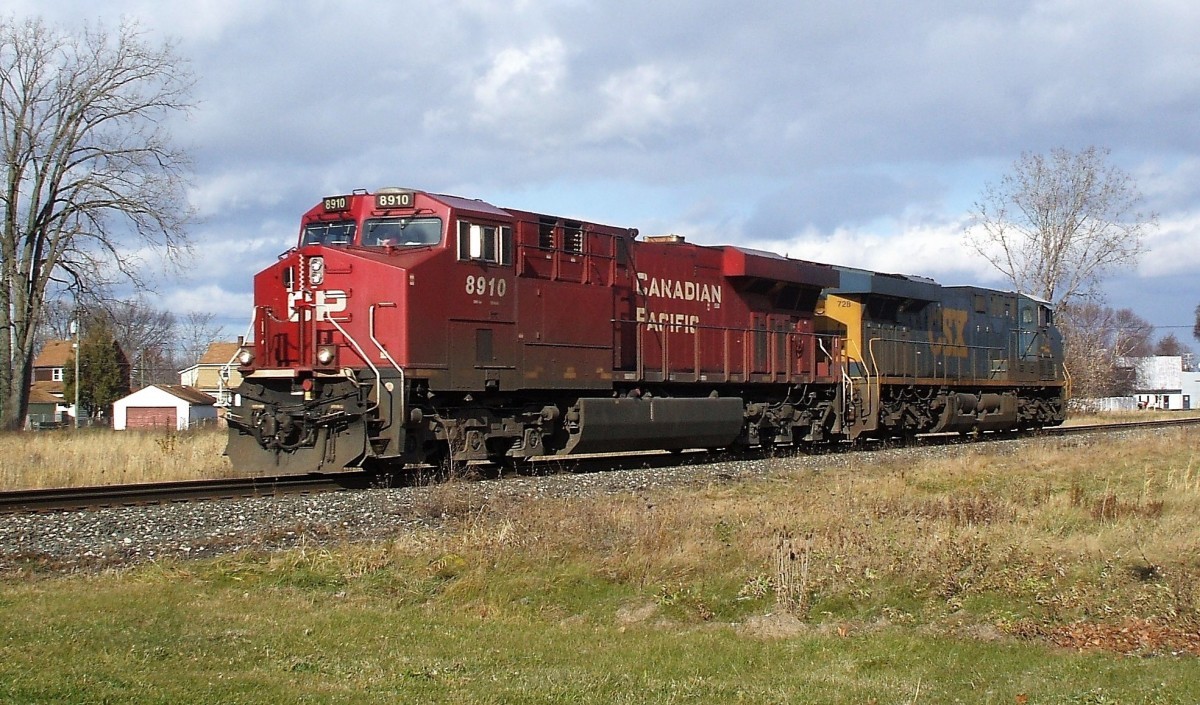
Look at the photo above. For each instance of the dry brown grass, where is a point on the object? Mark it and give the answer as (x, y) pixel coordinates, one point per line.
(1078, 418)
(104, 457)
(1052, 531)
(1062, 530)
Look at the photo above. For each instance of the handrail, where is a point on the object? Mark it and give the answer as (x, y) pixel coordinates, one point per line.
(732, 356)
(386, 354)
(847, 385)
(363, 355)
(875, 366)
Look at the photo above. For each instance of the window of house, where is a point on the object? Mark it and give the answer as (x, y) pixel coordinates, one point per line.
(56, 374)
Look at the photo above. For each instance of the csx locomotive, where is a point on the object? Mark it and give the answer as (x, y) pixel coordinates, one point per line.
(418, 328)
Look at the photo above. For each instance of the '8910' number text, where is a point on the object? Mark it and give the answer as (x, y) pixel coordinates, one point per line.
(486, 286)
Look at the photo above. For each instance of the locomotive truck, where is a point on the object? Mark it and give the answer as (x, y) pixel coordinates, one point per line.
(408, 327)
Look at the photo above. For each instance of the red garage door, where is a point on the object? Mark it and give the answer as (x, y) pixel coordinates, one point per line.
(148, 417)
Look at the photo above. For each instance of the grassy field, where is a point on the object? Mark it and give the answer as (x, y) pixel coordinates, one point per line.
(1068, 574)
(100, 456)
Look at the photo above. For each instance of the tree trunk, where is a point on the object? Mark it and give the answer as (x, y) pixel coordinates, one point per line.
(16, 401)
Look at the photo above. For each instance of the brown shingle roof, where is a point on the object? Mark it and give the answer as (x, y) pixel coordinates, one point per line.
(55, 353)
(219, 353)
(48, 387)
(188, 394)
(44, 393)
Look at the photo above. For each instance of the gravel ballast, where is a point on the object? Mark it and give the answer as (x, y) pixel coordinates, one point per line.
(121, 536)
(124, 536)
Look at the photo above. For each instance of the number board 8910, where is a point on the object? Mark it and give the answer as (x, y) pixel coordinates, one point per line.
(486, 286)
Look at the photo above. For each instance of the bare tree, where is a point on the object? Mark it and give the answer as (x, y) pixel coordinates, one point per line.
(1170, 346)
(1196, 329)
(1099, 341)
(88, 173)
(146, 335)
(1057, 224)
(196, 333)
(54, 321)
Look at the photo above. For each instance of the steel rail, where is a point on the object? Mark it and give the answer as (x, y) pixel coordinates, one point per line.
(95, 497)
(1120, 426)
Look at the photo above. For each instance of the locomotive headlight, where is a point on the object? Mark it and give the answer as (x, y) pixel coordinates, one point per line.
(316, 270)
(326, 355)
(246, 357)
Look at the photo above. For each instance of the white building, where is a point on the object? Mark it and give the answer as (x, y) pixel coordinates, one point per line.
(164, 406)
(1161, 383)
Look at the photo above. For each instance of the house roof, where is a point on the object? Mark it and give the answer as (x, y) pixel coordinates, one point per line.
(219, 353)
(54, 389)
(188, 394)
(55, 353)
(44, 393)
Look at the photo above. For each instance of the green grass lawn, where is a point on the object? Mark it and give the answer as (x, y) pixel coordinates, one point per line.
(244, 630)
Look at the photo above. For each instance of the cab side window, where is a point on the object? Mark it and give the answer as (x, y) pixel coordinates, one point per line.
(1045, 316)
(485, 243)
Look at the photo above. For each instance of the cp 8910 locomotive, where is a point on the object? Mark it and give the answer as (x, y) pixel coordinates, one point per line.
(412, 327)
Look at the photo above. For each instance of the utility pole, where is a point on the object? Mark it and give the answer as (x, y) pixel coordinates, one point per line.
(75, 330)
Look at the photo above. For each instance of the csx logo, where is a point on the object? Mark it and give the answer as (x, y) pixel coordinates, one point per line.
(953, 341)
(324, 303)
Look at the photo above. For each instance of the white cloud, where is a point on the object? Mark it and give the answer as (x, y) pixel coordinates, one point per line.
(935, 250)
(1174, 248)
(851, 121)
(644, 99)
(232, 191)
(522, 83)
(210, 298)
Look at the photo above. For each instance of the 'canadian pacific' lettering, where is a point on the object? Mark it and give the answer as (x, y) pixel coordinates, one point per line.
(679, 290)
(668, 322)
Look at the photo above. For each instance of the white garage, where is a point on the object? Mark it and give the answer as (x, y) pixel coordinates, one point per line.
(164, 407)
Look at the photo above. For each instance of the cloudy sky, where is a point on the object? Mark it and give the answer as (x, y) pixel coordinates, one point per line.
(836, 132)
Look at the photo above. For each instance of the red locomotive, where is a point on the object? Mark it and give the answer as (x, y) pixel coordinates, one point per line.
(410, 327)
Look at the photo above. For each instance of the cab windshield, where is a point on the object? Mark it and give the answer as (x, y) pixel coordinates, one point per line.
(333, 233)
(402, 232)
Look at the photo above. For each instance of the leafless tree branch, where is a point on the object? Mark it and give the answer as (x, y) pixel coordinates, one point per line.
(1058, 223)
(89, 173)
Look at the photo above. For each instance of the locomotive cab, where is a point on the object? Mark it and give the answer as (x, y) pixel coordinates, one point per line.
(324, 385)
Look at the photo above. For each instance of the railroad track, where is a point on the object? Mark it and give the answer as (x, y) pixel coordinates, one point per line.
(1124, 426)
(78, 498)
(81, 498)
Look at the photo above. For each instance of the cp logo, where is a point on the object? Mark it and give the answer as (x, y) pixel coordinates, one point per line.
(325, 304)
